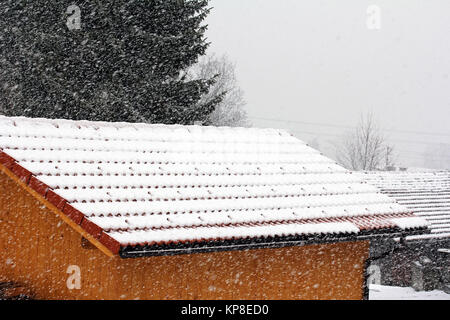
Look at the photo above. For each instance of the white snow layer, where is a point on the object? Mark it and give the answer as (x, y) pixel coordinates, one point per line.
(154, 183)
(408, 223)
(378, 292)
(426, 193)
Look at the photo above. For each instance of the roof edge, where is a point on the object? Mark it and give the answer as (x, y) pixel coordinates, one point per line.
(261, 243)
(118, 124)
(60, 206)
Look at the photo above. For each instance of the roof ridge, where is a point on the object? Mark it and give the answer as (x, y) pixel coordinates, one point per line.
(135, 125)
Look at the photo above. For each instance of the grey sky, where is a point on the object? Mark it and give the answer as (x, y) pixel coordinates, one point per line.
(317, 62)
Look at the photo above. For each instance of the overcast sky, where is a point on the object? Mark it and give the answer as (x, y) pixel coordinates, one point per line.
(318, 64)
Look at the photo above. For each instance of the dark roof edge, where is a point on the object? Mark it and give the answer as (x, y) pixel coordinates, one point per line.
(429, 241)
(260, 243)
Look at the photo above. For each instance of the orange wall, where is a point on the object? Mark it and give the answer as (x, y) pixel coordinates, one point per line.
(37, 247)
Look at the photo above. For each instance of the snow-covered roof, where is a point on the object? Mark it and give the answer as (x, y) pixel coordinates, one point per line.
(426, 193)
(165, 188)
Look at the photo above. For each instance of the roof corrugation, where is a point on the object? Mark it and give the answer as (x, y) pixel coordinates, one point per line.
(144, 184)
(427, 194)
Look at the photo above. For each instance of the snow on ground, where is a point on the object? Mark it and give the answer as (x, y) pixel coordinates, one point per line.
(378, 292)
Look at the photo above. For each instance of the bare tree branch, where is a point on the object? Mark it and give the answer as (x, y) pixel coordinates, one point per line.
(230, 112)
(365, 148)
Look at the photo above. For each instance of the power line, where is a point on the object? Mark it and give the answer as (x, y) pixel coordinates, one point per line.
(419, 142)
(351, 127)
(313, 133)
(402, 152)
(422, 157)
(304, 122)
(393, 140)
(339, 126)
(412, 155)
(419, 154)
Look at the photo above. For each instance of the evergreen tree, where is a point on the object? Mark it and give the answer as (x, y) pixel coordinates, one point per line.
(112, 60)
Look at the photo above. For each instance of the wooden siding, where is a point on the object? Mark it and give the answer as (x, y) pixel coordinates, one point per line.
(37, 247)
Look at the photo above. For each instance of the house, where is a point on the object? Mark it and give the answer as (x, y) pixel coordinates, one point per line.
(422, 261)
(93, 210)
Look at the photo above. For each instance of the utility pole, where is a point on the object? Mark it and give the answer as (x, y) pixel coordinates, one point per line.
(388, 156)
